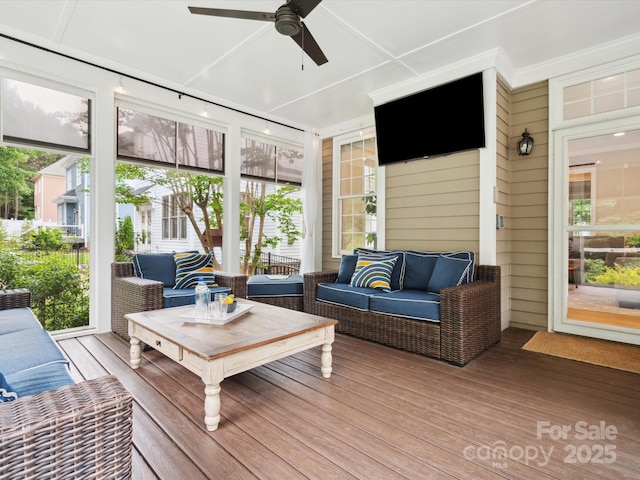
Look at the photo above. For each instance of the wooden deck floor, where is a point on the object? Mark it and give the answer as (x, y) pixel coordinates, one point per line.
(384, 414)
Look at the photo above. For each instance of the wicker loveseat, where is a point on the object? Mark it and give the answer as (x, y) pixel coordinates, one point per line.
(455, 324)
(81, 430)
(131, 293)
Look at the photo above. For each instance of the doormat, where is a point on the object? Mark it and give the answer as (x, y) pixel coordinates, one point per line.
(590, 350)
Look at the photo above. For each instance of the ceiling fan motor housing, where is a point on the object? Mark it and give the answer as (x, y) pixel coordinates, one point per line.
(287, 22)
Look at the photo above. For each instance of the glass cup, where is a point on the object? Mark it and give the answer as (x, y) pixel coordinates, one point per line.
(220, 306)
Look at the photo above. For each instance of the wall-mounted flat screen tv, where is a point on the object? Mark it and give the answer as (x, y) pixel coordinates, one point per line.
(442, 120)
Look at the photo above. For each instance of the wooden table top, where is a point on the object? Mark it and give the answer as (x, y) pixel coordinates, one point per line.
(261, 325)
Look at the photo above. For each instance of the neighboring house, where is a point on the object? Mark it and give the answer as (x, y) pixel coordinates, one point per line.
(160, 226)
(73, 204)
(48, 184)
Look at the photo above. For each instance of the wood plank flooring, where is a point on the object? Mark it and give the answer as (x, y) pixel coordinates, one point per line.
(384, 414)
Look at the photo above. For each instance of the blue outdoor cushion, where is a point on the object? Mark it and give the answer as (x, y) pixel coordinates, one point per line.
(191, 267)
(374, 272)
(17, 319)
(347, 267)
(415, 304)
(418, 269)
(449, 272)
(263, 286)
(156, 266)
(174, 297)
(397, 276)
(7, 393)
(27, 349)
(343, 294)
(40, 379)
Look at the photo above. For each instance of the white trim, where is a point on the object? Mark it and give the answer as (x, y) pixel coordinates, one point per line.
(338, 141)
(558, 241)
(488, 172)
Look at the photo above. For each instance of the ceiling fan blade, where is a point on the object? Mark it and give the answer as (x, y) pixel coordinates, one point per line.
(302, 7)
(309, 45)
(243, 14)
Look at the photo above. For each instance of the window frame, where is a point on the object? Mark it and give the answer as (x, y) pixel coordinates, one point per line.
(338, 143)
(173, 218)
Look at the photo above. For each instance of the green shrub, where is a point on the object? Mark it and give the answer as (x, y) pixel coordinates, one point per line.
(124, 238)
(632, 241)
(592, 268)
(618, 275)
(46, 239)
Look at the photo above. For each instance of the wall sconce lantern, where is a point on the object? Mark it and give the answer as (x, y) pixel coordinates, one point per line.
(526, 144)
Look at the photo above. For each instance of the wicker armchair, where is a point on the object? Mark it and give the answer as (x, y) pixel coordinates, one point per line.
(76, 431)
(130, 294)
(469, 319)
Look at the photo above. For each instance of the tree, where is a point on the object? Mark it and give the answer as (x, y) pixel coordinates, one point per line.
(255, 207)
(14, 180)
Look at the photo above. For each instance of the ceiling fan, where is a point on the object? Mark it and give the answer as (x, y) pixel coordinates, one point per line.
(287, 20)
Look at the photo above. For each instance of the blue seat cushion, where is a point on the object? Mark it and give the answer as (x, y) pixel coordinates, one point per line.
(27, 349)
(415, 304)
(7, 393)
(174, 297)
(17, 319)
(40, 379)
(344, 294)
(263, 286)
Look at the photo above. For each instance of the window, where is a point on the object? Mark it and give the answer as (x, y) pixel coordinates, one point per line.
(174, 220)
(149, 138)
(262, 159)
(600, 95)
(355, 194)
(39, 116)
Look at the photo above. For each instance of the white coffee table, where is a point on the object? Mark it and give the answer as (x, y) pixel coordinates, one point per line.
(214, 352)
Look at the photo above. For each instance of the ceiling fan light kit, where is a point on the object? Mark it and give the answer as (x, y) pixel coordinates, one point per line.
(287, 22)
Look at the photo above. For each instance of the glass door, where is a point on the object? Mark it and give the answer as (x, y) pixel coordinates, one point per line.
(602, 236)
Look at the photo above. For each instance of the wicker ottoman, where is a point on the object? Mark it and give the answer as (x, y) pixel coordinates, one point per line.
(280, 290)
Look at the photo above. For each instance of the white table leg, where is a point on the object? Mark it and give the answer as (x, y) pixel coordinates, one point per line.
(135, 352)
(212, 406)
(326, 360)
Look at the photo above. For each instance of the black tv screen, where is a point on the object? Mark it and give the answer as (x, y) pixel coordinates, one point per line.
(442, 120)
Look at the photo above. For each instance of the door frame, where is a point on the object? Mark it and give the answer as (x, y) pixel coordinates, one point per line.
(558, 274)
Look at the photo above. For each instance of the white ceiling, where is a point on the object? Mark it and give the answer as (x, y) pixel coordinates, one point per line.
(373, 46)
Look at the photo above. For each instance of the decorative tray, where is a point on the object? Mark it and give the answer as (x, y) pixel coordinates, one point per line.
(241, 309)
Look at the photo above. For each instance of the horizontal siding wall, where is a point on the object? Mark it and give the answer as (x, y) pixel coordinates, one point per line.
(328, 262)
(529, 208)
(433, 204)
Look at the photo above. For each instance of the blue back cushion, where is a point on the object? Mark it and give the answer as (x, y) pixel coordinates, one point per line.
(7, 393)
(156, 266)
(347, 267)
(449, 272)
(418, 270)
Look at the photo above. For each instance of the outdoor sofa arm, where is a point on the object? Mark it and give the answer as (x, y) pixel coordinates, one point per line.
(131, 295)
(77, 431)
(237, 282)
(470, 316)
(17, 298)
(311, 281)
